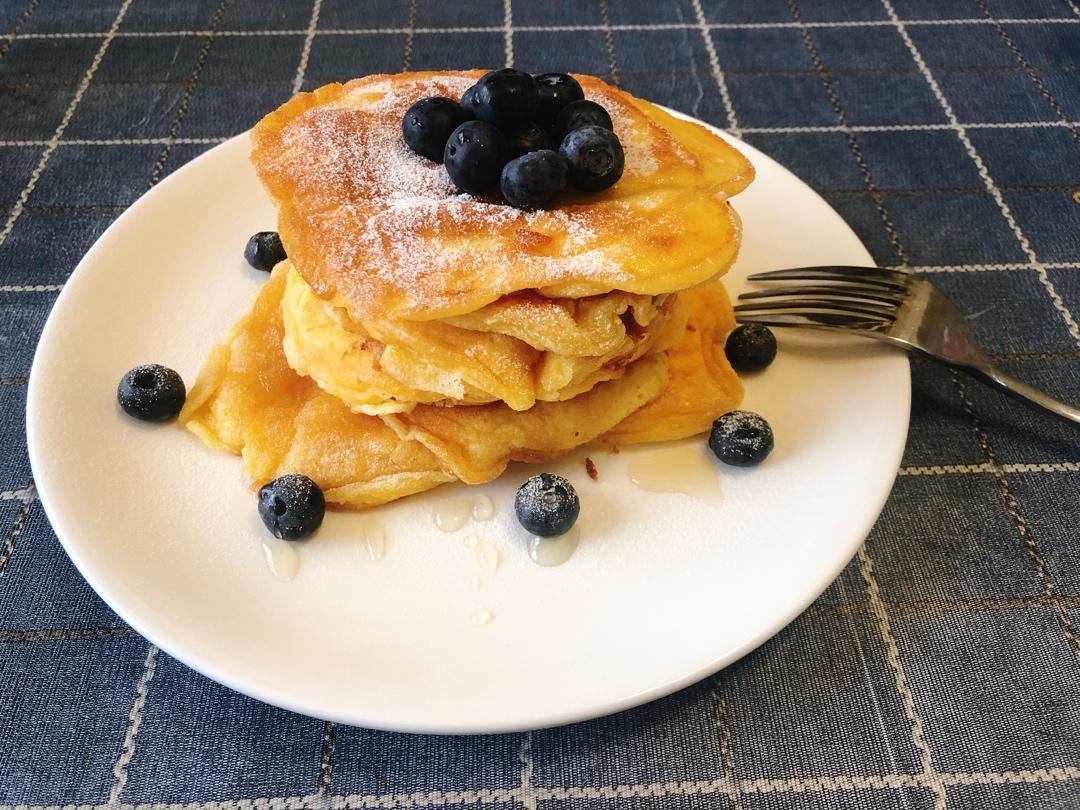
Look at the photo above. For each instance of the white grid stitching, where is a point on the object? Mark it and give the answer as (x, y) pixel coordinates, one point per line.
(135, 717)
(114, 141)
(718, 74)
(30, 288)
(491, 29)
(25, 495)
(528, 793)
(305, 51)
(508, 33)
(727, 755)
(438, 798)
(979, 268)
(50, 147)
(906, 127)
(829, 86)
(984, 173)
(983, 467)
(892, 656)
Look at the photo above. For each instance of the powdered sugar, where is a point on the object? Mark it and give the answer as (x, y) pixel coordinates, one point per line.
(637, 149)
(372, 161)
(385, 226)
(354, 142)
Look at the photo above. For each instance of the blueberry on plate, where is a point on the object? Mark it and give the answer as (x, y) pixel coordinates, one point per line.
(427, 124)
(595, 157)
(468, 101)
(528, 137)
(475, 155)
(264, 250)
(547, 505)
(505, 97)
(533, 180)
(553, 92)
(750, 347)
(579, 114)
(151, 392)
(741, 438)
(292, 506)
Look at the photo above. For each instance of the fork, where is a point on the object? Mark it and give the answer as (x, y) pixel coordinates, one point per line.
(886, 305)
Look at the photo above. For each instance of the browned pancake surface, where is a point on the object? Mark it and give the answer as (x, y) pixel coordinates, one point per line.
(365, 219)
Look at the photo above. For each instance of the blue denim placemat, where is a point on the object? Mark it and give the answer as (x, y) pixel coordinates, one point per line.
(941, 670)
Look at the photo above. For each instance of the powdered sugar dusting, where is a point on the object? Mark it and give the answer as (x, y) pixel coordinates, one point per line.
(637, 148)
(389, 231)
(372, 161)
(735, 422)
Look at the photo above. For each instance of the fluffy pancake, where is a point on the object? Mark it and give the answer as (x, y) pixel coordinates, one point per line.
(380, 366)
(574, 326)
(701, 383)
(248, 400)
(418, 335)
(365, 219)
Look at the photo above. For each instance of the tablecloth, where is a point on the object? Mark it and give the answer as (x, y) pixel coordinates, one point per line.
(942, 669)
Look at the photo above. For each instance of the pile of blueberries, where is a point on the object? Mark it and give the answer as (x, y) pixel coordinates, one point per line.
(527, 135)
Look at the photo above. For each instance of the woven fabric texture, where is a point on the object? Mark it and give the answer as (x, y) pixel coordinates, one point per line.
(942, 669)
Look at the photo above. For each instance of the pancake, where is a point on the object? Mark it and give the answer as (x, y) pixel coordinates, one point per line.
(248, 400)
(366, 220)
(573, 326)
(417, 335)
(380, 366)
(701, 384)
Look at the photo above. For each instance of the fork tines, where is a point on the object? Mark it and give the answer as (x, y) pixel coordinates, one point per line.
(816, 320)
(858, 298)
(872, 276)
(885, 296)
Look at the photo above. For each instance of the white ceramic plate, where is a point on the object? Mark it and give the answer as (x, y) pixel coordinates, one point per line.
(664, 589)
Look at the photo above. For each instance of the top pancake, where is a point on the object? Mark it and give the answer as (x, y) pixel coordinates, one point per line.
(366, 221)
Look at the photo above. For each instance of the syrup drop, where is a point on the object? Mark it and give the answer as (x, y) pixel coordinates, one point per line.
(281, 559)
(549, 551)
(483, 508)
(683, 469)
(374, 540)
(451, 514)
(487, 556)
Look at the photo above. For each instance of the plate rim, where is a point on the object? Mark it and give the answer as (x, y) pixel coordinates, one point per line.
(220, 673)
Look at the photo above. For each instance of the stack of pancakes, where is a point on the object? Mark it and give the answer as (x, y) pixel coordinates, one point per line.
(417, 335)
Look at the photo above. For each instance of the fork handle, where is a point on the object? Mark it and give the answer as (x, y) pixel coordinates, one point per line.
(1021, 390)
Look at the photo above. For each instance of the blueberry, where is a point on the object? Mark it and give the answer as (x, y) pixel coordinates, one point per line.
(741, 438)
(151, 392)
(595, 157)
(750, 347)
(578, 114)
(475, 155)
(505, 97)
(534, 180)
(553, 92)
(292, 506)
(264, 250)
(547, 505)
(529, 137)
(427, 124)
(468, 101)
